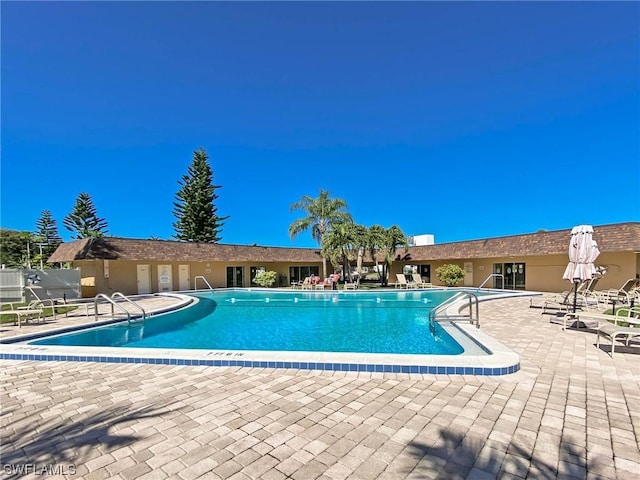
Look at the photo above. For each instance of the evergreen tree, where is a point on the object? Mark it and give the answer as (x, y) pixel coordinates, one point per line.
(83, 219)
(46, 233)
(195, 210)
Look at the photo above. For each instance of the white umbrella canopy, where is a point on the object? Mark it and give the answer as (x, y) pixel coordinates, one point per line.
(583, 251)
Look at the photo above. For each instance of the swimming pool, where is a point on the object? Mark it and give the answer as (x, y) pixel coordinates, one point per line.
(482, 355)
(363, 322)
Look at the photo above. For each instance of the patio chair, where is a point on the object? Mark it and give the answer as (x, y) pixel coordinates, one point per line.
(590, 285)
(564, 302)
(23, 314)
(625, 291)
(352, 285)
(59, 303)
(615, 331)
(561, 301)
(418, 282)
(402, 281)
(306, 284)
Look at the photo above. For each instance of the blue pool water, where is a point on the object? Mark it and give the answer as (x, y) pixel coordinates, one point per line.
(364, 322)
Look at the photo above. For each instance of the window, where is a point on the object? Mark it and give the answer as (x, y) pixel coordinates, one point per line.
(423, 270)
(299, 273)
(410, 269)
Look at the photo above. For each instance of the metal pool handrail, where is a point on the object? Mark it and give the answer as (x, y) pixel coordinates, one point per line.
(195, 282)
(112, 302)
(473, 301)
(121, 295)
(490, 277)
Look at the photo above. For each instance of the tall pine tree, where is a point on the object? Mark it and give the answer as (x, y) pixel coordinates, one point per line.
(83, 219)
(195, 210)
(46, 235)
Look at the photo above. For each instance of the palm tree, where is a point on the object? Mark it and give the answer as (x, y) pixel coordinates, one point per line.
(321, 213)
(341, 243)
(387, 240)
(361, 238)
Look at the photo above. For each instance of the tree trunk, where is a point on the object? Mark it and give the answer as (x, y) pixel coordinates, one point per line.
(359, 264)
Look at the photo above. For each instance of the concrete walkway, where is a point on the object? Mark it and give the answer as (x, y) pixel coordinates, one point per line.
(82, 315)
(570, 412)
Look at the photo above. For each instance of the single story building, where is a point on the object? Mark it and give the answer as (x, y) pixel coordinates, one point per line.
(533, 261)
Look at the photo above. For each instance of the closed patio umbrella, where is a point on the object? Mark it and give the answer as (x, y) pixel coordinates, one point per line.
(583, 251)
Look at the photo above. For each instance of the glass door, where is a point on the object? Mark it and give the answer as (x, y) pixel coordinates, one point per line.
(514, 275)
(508, 276)
(425, 273)
(235, 277)
(498, 280)
(253, 271)
(518, 276)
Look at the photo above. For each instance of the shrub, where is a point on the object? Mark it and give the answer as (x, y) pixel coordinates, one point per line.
(450, 274)
(265, 279)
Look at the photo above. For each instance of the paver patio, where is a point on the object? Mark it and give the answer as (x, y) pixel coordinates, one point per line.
(572, 411)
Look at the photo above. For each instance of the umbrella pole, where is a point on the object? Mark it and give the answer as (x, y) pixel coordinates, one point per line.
(575, 295)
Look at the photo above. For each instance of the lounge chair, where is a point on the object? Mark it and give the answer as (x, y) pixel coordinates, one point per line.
(590, 285)
(564, 302)
(58, 303)
(625, 291)
(419, 283)
(402, 281)
(23, 313)
(624, 294)
(306, 284)
(352, 285)
(615, 331)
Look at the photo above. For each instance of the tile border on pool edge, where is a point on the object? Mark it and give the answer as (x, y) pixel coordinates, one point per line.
(501, 361)
(297, 365)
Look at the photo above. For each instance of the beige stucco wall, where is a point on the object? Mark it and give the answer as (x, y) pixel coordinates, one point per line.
(543, 273)
(123, 274)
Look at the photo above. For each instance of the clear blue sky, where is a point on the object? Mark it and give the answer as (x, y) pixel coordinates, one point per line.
(464, 120)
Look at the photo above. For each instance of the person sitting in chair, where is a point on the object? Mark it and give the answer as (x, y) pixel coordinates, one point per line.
(335, 278)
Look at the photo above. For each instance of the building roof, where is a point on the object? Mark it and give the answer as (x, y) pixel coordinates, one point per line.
(620, 237)
(113, 248)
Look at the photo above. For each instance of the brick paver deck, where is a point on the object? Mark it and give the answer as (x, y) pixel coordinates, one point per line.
(572, 411)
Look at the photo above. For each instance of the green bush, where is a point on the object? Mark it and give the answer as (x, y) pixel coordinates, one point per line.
(265, 279)
(450, 274)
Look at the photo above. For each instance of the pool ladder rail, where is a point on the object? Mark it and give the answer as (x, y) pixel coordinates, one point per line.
(493, 275)
(113, 303)
(195, 282)
(472, 300)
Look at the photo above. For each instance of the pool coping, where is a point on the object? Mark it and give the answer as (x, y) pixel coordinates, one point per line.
(500, 361)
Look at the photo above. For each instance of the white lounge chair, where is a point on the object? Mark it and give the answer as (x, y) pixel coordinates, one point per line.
(418, 282)
(402, 281)
(306, 284)
(352, 285)
(58, 303)
(564, 302)
(23, 313)
(615, 331)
